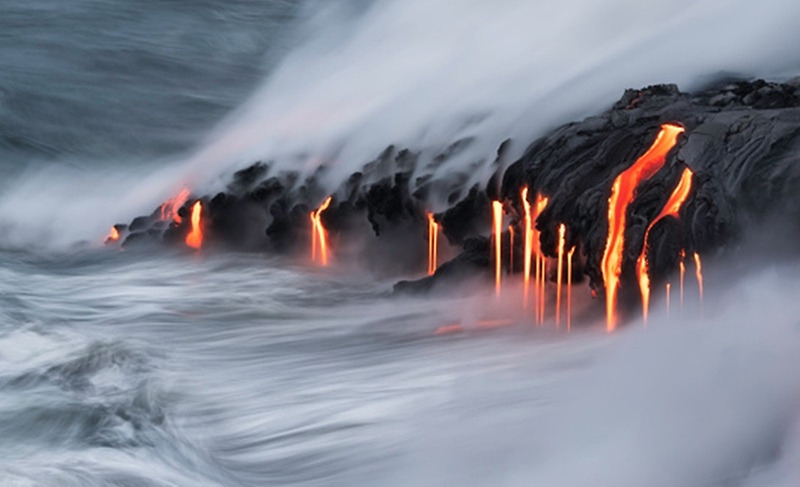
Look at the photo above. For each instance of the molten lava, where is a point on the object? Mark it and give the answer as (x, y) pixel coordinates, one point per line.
(623, 192)
(113, 235)
(195, 237)
(528, 247)
(671, 208)
(319, 236)
(169, 210)
(497, 225)
(698, 271)
(669, 292)
(562, 231)
(433, 244)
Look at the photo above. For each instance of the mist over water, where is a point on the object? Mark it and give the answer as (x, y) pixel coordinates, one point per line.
(173, 368)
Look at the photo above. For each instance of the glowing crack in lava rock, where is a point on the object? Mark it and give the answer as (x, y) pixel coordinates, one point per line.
(195, 237)
(671, 208)
(623, 192)
(319, 236)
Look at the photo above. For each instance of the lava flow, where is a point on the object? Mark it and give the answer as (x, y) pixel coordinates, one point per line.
(671, 208)
(169, 210)
(562, 230)
(433, 244)
(319, 236)
(497, 224)
(511, 249)
(623, 192)
(195, 237)
(528, 247)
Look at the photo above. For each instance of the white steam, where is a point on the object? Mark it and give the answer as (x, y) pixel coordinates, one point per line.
(686, 402)
(424, 73)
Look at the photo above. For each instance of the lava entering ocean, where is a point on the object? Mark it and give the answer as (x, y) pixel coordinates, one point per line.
(319, 236)
(195, 237)
(623, 192)
(671, 208)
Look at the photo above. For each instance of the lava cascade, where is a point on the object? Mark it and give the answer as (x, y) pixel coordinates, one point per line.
(169, 209)
(195, 237)
(497, 225)
(319, 236)
(623, 192)
(433, 244)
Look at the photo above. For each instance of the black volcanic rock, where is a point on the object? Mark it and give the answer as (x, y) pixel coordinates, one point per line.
(742, 143)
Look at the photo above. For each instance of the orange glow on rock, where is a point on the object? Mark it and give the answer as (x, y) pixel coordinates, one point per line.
(169, 210)
(671, 208)
(623, 192)
(497, 224)
(562, 231)
(319, 236)
(433, 244)
(195, 237)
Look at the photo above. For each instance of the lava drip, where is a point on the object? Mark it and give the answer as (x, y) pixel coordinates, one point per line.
(623, 192)
(319, 236)
(671, 208)
(497, 224)
(195, 237)
(528, 247)
(562, 231)
(698, 270)
(433, 244)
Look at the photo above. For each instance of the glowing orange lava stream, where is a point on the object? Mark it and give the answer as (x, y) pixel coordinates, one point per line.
(698, 269)
(433, 244)
(623, 192)
(671, 208)
(669, 289)
(562, 231)
(497, 223)
(195, 237)
(528, 248)
(319, 236)
(169, 210)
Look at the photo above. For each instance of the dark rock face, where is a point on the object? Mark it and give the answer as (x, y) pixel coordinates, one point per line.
(742, 142)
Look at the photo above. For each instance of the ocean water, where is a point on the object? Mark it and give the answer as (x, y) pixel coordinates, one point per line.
(175, 368)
